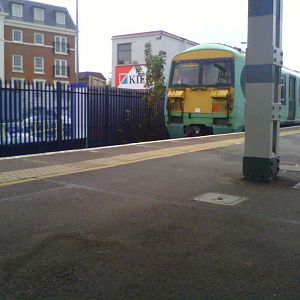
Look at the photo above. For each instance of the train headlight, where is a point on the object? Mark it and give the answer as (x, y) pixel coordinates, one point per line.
(217, 108)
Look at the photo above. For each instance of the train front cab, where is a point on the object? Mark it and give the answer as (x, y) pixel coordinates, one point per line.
(204, 94)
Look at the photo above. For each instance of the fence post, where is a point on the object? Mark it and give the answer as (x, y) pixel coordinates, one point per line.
(1, 115)
(107, 117)
(58, 116)
(87, 99)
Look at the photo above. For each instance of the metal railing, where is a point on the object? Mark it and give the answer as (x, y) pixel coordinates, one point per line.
(41, 117)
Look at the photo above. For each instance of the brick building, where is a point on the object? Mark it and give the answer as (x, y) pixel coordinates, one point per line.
(37, 42)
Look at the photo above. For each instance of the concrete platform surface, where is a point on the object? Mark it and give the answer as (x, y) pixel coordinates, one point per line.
(123, 223)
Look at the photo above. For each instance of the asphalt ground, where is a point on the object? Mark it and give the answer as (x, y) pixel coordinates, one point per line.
(131, 229)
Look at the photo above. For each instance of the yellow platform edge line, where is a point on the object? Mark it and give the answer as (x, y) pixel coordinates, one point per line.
(185, 150)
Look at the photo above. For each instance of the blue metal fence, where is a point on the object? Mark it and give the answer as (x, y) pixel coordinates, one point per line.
(118, 116)
(40, 118)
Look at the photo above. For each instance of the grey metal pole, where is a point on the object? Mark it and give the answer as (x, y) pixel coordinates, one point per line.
(77, 43)
(263, 108)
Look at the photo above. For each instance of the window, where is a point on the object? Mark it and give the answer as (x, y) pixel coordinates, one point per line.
(38, 14)
(39, 38)
(61, 68)
(60, 18)
(17, 63)
(62, 82)
(124, 54)
(204, 73)
(39, 83)
(17, 35)
(216, 73)
(292, 88)
(38, 65)
(186, 74)
(282, 91)
(18, 83)
(61, 46)
(17, 10)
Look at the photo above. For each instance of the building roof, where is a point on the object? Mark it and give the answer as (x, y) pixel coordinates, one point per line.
(151, 33)
(95, 74)
(28, 16)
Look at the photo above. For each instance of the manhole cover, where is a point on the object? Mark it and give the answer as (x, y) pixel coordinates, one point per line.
(292, 168)
(220, 199)
(297, 186)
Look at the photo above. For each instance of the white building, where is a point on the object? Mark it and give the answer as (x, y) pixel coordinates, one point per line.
(129, 48)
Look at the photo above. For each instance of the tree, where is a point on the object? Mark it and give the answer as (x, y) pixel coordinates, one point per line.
(155, 83)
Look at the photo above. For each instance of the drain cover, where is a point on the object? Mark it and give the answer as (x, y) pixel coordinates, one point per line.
(297, 186)
(220, 199)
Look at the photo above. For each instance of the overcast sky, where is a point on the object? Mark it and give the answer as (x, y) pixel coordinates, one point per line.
(202, 21)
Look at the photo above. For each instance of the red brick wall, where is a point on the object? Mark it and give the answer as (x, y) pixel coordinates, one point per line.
(30, 51)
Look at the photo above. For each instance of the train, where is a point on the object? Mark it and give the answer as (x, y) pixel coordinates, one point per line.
(206, 92)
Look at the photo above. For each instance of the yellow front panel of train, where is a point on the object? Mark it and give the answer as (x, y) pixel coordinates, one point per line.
(208, 96)
(198, 101)
(204, 101)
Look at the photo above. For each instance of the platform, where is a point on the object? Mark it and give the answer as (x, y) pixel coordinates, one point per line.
(159, 220)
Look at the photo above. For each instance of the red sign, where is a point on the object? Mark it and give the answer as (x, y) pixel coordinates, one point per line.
(127, 77)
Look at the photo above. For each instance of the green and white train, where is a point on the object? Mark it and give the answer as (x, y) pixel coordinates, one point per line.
(206, 92)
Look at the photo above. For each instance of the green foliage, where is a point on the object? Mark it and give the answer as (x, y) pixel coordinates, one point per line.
(155, 83)
(155, 64)
(155, 79)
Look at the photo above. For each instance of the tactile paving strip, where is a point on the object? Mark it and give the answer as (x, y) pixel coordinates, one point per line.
(25, 175)
(14, 177)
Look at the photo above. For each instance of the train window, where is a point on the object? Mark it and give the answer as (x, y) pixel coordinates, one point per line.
(216, 73)
(282, 91)
(243, 81)
(292, 88)
(186, 73)
(202, 73)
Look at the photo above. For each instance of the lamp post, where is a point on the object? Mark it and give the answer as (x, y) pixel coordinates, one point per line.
(77, 43)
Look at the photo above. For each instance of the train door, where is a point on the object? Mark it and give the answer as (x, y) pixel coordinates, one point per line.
(292, 98)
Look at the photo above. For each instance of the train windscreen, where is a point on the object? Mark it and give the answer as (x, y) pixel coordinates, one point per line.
(202, 73)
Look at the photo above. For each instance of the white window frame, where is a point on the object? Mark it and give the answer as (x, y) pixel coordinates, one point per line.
(39, 14)
(60, 18)
(41, 81)
(60, 41)
(17, 69)
(62, 82)
(17, 10)
(35, 38)
(21, 35)
(36, 69)
(58, 72)
(21, 80)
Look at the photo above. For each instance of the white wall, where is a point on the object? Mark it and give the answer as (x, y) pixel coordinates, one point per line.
(169, 44)
(2, 17)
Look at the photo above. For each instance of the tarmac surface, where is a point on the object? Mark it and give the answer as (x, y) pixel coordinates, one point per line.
(123, 223)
